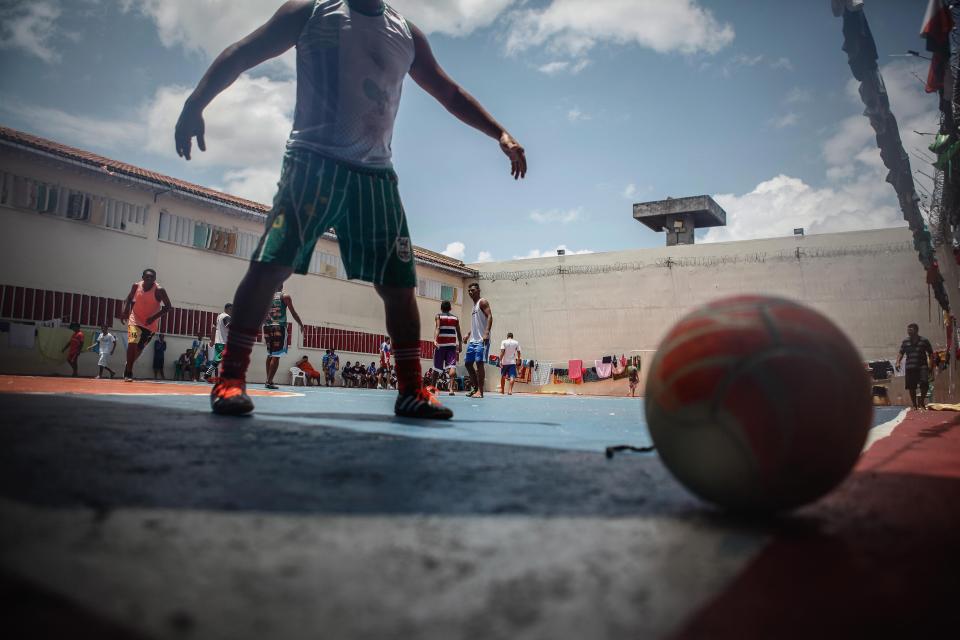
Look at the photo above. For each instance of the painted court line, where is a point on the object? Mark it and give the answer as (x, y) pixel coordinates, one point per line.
(884, 430)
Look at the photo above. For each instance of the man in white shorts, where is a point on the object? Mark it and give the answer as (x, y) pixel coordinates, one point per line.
(106, 344)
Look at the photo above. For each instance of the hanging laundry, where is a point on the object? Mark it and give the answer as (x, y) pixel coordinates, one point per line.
(604, 369)
(936, 27)
(623, 360)
(576, 369)
(22, 336)
(51, 343)
(607, 359)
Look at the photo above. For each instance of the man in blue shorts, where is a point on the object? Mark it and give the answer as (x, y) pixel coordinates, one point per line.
(478, 340)
(509, 357)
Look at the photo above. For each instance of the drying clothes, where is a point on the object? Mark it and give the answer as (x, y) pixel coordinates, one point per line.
(51, 342)
(604, 369)
(607, 359)
(22, 336)
(576, 369)
(623, 360)
(937, 24)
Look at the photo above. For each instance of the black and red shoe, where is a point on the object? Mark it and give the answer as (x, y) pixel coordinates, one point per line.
(421, 404)
(229, 397)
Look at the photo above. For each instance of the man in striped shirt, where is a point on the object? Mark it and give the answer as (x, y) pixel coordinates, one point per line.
(919, 362)
(447, 339)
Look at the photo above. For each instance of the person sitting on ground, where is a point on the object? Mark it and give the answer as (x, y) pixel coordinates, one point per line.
(372, 376)
(312, 374)
(347, 374)
(393, 377)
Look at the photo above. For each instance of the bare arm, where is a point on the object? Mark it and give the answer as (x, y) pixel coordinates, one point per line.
(487, 311)
(274, 37)
(436, 329)
(427, 73)
(460, 339)
(128, 304)
(165, 309)
(287, 300)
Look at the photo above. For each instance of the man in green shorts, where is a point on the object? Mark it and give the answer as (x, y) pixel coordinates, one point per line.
(352, 58)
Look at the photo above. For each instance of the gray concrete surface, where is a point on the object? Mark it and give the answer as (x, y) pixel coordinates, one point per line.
(152, 518)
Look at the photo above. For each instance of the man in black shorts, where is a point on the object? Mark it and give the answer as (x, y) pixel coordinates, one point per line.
(919, 355)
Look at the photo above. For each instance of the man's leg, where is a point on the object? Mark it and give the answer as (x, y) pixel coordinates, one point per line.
(512, 381)
(250, 305)
(481, 378)
(403, 327)
(472, 372)
(922, 396)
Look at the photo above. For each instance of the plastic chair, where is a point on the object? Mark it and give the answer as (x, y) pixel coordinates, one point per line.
(296, 373)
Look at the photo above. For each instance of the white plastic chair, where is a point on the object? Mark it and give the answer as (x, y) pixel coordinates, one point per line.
(296, 373)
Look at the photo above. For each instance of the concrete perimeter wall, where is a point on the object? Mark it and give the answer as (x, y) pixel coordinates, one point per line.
(581, 307)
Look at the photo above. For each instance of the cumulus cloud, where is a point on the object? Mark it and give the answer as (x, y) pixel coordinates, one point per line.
(631, 191)
(573, 27)
(30, 27)
(205, 26)
(452, 17)
(537, 253)
(557, 216)
(798, 96)
(249, 120)
(484, 256)
(456, 250)
(576, 115)
(83, 131)
(855, 195)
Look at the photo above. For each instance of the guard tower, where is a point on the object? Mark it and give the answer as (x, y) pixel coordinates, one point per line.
(680, 217)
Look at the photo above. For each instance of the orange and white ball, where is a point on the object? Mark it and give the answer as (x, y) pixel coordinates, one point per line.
(758, 403)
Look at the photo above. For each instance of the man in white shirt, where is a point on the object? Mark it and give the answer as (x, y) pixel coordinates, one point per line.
(106, 344)
(509, 357)
(221, 331)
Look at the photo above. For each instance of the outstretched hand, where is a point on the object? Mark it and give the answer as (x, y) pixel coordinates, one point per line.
(190, 125)
(518, 157)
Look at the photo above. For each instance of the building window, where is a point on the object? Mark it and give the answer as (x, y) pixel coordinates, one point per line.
(436, 290)
(327, 264)
(201, 235)
(121, 216)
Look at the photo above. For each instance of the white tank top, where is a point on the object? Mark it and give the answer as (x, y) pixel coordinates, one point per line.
(350, 71)
(478, 323)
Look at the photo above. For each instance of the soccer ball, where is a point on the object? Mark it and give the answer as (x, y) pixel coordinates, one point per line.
(758, 403)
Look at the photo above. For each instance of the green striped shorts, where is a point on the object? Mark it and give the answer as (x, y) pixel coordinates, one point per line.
(361, 205)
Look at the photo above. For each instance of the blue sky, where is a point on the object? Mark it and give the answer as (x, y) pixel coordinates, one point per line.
(616, 101)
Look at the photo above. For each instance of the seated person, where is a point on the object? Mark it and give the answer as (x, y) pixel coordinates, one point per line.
(312, 374)
(383, 377)
(184, 368)
(372, 376)
(348, 375)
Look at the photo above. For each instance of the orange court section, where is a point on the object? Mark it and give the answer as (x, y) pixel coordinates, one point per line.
(89, 386)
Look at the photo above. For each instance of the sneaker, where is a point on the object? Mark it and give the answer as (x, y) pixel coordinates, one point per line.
(127, 378)
(270, 385)
(229, 398)
(421, 404)
(97, 377)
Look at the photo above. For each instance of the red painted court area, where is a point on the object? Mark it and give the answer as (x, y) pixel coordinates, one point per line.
(88, 386)
(877, 558)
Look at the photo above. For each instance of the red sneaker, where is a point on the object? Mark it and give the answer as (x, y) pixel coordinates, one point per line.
(420, 404)
(229, 397)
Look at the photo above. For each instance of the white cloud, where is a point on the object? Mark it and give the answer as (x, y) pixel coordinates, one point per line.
(554, 68)
(455, 250)
(777, 206)
(631, 191)
(557, 216)
(856, 195)
(30, 27)
(786, 120)
(484, 256)
(537, 253)
(256, 183)
(77, 130)
(576, 115)
(574, 27)
(798, 96)
(452, 17)
(246, 126)
(744, 60)
(206, 26)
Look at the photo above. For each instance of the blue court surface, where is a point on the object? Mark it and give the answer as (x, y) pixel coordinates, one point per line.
(583, 423)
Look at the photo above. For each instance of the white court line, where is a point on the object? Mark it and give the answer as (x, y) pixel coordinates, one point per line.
(881, 431)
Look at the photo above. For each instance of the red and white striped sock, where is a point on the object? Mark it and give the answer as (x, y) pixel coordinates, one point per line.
(409, 374)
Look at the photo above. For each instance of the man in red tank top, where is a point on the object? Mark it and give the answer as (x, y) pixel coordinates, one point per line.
(146, 303)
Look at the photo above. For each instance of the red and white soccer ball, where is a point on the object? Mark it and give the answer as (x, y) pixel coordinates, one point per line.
(758, 403)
